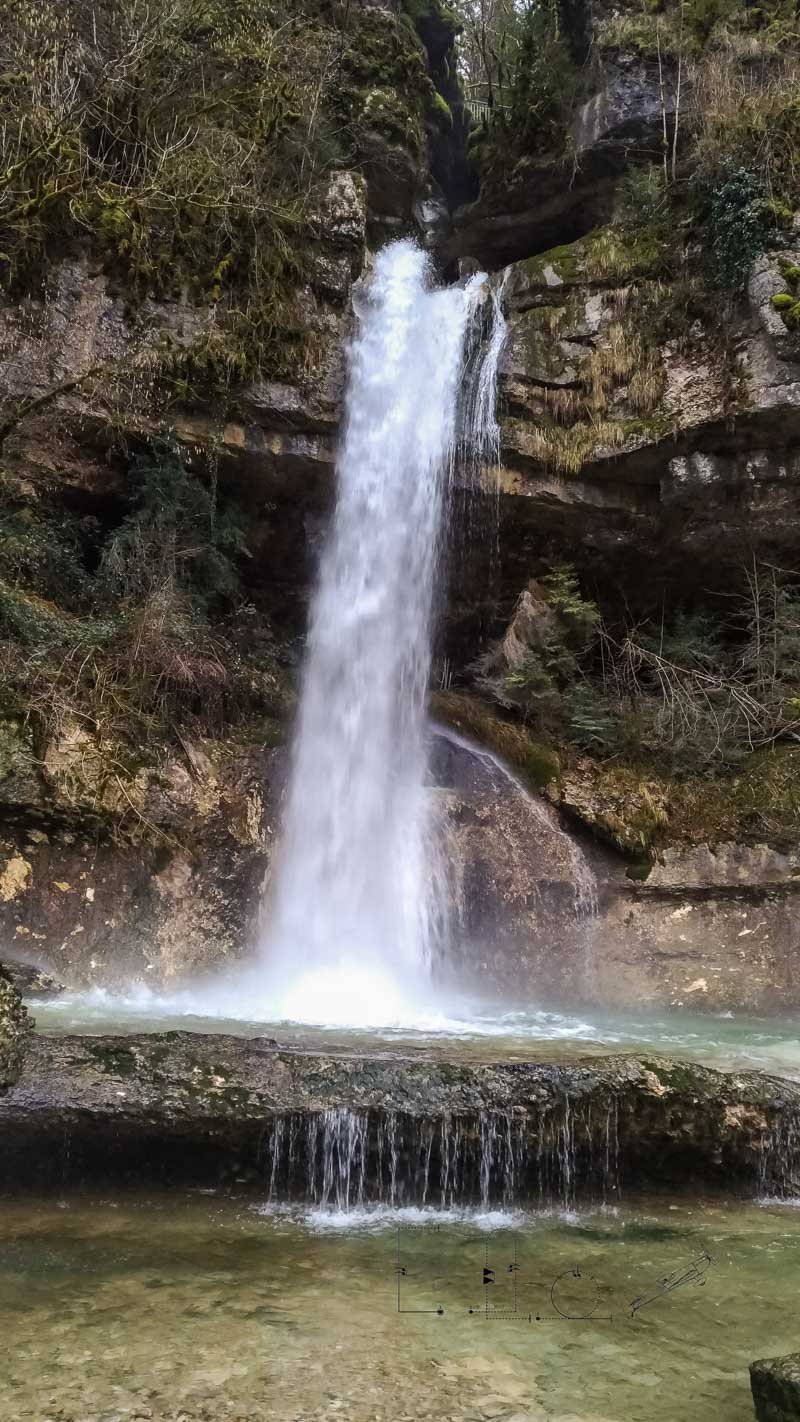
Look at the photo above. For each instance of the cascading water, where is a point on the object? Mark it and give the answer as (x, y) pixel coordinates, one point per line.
(346, 1159)
(356, 908)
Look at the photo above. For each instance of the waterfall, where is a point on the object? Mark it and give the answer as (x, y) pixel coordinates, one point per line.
(356, 909)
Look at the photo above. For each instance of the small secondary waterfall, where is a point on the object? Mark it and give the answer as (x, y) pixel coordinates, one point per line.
(346, 1159)
(358, 906)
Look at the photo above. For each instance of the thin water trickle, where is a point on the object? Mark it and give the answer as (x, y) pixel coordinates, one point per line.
(779, 1172)
(342, 1159)
(479, 432)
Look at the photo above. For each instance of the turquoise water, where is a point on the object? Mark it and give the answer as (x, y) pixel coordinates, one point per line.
(205, 1306)
(725, 1041)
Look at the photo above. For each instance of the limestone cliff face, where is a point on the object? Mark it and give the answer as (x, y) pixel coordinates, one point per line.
(82, 378)
(688, 447)
(650, 417)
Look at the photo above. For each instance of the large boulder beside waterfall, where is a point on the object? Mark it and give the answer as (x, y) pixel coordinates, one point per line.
(524, 891)
(15, 1030)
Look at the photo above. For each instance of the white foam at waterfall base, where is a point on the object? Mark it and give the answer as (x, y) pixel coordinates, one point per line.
(351, 993)
(726, 1043)
(373, 1219)
(232, 1004)
(358, 908)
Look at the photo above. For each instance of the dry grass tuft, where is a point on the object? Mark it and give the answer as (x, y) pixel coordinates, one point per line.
(749, 109)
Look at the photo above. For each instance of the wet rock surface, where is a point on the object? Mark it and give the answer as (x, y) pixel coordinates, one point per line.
(523, 889)
(709, 467)
(541, 912)
(30, 981)
(88, 908)
(160, 874)
(775, 1384)
(185, 1106)
(15, 1030)
(558, 201)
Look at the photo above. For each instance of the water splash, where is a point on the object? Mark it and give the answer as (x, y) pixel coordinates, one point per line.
(358, 908)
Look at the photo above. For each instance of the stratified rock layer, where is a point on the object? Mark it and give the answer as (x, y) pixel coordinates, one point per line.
(200, 1107)
(115, 872)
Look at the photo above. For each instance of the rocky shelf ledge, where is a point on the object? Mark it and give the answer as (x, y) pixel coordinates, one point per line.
(340, 1128)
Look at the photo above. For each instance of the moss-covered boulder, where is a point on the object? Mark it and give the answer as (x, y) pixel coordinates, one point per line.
(776, 1388)
(15, 1028)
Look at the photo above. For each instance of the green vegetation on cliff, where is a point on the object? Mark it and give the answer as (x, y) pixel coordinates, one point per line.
(787, 303)
(703, 687)
(182, 142)
(185, 150)
(185, 145)
(722, 77)
(670, 728)
(132, 632)
(521, 65)
(679, 119)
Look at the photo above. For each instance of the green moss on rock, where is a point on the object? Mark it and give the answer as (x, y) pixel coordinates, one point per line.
(607, 256)
(440, 113)
(384, 87)
(676, 1076)
(564, 262)
(113, 1058)
(638, 809)
(788, 307)
(433, 12)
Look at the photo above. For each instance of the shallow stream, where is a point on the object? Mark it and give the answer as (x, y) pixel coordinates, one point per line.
(210, 1306)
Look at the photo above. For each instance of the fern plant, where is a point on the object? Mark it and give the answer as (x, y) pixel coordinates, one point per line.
(174, 533)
